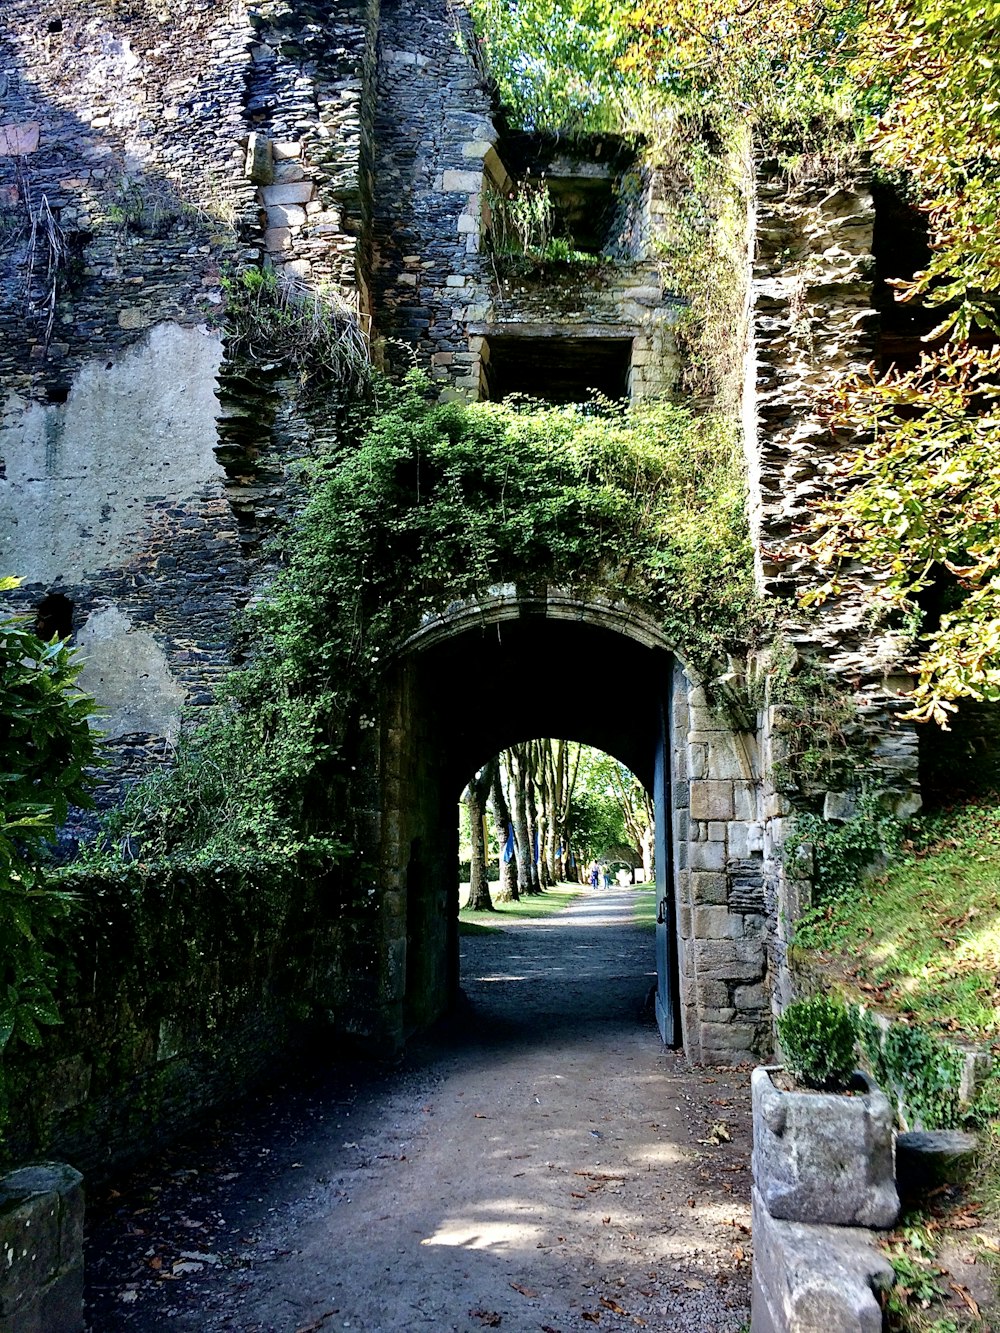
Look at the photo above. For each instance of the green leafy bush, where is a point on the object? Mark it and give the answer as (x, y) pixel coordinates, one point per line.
(46, 747)
(817, 1037)
(440, 502)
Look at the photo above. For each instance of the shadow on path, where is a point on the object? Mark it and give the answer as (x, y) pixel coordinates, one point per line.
(539, 1162)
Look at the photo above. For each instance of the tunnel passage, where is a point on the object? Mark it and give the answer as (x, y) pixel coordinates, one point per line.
(452, 706)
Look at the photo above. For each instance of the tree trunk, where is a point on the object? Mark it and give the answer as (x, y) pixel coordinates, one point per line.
(519, 819)
(531, 813)
(475, 802)
(507, 890)
(646, 847)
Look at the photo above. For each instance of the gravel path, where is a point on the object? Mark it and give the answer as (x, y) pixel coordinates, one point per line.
(541, 1164)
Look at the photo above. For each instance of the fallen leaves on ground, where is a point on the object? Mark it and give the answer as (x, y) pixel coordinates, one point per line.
(966, 1297)
(525, 1291)
(317, 1323)
(719, 1133)
(488, 1318)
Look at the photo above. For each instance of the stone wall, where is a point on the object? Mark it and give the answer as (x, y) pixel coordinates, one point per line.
(41, 1250)
(116, 216)
(146, 450)
(718, 843)
(235, 136)
(813, 319)
(181, 990)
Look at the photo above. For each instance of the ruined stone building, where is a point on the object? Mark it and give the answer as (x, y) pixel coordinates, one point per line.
(147, 152)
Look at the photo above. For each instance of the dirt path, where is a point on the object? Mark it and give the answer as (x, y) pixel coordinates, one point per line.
(542, 1165)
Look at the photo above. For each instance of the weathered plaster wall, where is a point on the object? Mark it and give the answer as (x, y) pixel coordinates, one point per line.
(80, 476)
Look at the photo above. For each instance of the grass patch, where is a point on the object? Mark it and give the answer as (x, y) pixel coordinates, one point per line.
(527, 909)
(644, 911)
(922, 938)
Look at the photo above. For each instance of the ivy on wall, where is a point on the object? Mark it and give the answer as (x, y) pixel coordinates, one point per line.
(440, 502)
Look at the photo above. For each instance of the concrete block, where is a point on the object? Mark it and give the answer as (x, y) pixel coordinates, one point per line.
(711, 800)
(815, 1279)
(824, 1157)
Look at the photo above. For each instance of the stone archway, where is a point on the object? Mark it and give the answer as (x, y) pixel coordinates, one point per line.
(485, 675)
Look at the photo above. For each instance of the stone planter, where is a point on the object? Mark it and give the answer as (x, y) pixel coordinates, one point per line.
(824, 1157)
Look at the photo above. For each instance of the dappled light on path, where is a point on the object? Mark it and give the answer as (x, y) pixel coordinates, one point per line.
(541, 1162)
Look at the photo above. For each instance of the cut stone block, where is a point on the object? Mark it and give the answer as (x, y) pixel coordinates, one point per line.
(823, 1157)
(259, 162)
(926, 1159)
(292, 192)
(468, 181)
(815, 1279)
(41, 1250)
(712, 800)
(285, 215)
(19, 140)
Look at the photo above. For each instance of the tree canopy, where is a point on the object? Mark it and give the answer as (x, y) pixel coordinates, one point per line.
(916, 83)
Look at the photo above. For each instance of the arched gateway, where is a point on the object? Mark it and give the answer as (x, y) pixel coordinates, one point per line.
(487, 674)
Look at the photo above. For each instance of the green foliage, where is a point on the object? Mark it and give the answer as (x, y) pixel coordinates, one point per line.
(843, 852)
(919, 1282)
(921, 1071)
(313, 333)
(818, 740)
(610, 809)
(46, 747)
(817, 1040)
(922, 935)
(442, 502)
(555, 62)
(522, 232)
(919, 505)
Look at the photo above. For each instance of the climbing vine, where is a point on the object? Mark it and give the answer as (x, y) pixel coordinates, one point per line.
(444, 501)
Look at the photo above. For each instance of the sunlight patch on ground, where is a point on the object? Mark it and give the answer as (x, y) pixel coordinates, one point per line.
(480, 1235)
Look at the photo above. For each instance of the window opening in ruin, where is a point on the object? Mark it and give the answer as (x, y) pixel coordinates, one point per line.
(583, 210)
(54, 617)
(551, 200)
(557, 370)
(900, 248)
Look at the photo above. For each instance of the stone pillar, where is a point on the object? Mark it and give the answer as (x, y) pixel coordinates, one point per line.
(41, 1250)
(718, 873)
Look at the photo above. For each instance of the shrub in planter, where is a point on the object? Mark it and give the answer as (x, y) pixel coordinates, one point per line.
(818, 1037)
(822, 1156)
